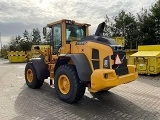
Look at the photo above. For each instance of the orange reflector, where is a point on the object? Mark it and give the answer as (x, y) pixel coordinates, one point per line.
(93, 84)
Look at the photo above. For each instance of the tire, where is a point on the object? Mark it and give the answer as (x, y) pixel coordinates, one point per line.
(75, 90)
(31, 77)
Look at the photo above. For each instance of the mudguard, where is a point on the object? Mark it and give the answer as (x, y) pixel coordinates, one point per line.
(40, 67)
(80, 61)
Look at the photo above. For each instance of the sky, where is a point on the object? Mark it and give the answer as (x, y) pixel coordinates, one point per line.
(18, 15)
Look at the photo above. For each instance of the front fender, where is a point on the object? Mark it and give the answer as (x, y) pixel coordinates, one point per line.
(80, 61)
(40, 67)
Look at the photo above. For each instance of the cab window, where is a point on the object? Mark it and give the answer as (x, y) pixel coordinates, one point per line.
(57, 38)
(74, 32)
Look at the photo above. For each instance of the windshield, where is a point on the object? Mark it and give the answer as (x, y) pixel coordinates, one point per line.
(74, 32)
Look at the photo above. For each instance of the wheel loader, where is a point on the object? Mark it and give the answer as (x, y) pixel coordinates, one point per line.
(76, 60)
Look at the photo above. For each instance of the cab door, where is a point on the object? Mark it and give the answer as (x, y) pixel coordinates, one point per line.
(56, 37)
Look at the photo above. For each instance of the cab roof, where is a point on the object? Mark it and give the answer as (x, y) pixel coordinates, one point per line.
(67, 20)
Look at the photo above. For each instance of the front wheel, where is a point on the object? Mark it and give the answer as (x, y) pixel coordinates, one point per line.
(31, 77)
(67, 85)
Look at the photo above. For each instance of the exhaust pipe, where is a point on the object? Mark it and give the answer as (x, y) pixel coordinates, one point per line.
(100, 28)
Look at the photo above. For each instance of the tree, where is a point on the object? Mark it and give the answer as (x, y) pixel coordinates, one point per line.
(149, 25)
(15, 43)
(141, 18)
(155, 17)
(25, 45)
(26, 35)
(36, 36)
(12, 44)
(18, 41)
(124, 25)
(109, 28)
(146, 26)
(19, 44)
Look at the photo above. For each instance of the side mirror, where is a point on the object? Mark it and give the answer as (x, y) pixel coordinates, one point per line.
(37, 48)
(44, 31)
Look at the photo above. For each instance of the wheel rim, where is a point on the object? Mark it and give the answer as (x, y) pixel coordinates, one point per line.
(64, 84)
(29, 75)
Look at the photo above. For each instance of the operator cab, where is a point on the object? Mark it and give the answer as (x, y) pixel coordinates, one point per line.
(65, 31)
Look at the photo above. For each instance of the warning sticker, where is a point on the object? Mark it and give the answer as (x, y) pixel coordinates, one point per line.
(117, 60)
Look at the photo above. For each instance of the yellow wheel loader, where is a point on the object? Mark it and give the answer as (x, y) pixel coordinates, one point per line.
(76, 60)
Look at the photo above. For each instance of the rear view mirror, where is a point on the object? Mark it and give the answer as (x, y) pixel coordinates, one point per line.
(37, 48)
(44, 31)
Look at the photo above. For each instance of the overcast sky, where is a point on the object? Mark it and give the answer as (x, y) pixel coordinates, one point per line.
(18, 15)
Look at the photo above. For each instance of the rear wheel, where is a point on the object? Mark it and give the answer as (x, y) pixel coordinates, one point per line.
(31, 77)
(67, 85)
